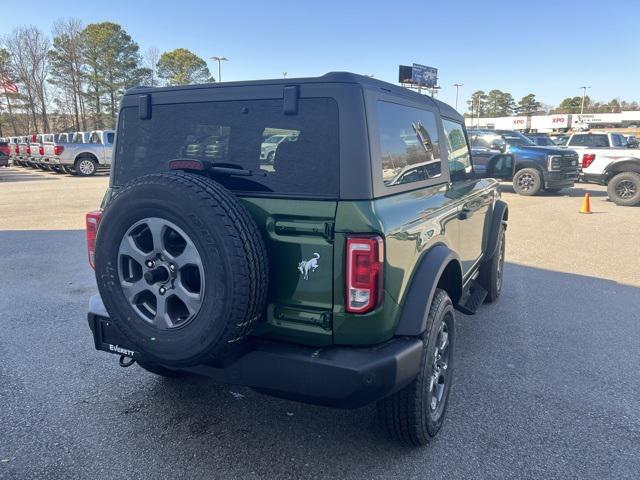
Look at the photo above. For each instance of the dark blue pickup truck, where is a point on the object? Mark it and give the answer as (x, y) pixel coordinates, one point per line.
(537, 168)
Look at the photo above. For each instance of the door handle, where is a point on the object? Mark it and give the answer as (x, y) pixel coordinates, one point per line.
(464, 213)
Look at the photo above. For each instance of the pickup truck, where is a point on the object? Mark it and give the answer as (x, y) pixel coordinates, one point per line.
(53, 146)
(537, 168)
(85, 159)
(608, 159)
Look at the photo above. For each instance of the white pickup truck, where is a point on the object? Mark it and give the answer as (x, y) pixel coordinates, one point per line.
(86, 153)
(607, 159)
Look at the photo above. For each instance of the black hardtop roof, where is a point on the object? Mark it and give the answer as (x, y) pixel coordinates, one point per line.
(331, 77)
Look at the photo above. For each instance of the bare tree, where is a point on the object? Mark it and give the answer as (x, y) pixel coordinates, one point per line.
(150, 62)
(29, 52)
(67, 65)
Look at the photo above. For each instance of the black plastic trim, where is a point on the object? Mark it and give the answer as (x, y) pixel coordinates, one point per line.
(500, 214)
(344, 377)
(415, 309)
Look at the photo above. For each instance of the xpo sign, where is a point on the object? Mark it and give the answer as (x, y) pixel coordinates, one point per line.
(549, 123)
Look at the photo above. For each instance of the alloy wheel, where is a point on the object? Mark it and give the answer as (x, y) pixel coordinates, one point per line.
(86, 167)
(439, 377)
(526, 181)
(161, 273)
(626, 189)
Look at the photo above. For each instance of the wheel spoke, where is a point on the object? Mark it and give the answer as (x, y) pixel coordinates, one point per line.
(444, 341)
(130, 249)
(189, 256)
(161, 320)
(156, 227)
(132, 289)
(190, 299)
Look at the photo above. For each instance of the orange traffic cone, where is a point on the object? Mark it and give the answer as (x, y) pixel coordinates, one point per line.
(586, 204)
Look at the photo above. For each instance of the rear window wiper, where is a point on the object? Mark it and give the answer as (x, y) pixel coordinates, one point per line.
(215, 168)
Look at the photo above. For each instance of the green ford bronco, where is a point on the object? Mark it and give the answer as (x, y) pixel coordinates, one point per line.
(327, 272)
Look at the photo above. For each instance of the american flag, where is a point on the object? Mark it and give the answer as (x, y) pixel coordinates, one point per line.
(8, 85)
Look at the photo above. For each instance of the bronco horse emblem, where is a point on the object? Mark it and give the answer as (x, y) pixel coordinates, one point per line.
(308, 265)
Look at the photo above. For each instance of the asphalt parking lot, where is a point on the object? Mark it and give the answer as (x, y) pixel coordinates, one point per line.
(546, 385)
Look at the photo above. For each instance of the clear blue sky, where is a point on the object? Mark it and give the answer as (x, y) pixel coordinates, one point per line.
(549, 48)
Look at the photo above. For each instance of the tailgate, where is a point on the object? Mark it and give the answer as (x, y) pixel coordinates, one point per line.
(299, 240)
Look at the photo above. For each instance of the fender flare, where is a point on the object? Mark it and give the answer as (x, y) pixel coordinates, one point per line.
(415, 310)
(627, 164)
(529, 162)
(499, 217)
(86, 154)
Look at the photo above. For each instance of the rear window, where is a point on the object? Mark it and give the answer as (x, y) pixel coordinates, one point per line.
(589, 140)
(290, 155)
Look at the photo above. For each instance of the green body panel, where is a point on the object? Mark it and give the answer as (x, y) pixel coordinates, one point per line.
(299, 310)
(411, 223)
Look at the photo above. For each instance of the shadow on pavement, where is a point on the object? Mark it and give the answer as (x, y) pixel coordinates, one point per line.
(546, 385)
(576, 191)
(21, 174)
(25, 174)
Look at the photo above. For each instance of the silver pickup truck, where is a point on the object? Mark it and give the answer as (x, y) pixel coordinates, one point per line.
(85, 153)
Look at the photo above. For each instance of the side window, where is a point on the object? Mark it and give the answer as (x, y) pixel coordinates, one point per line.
(616, 140)
(95, 138)
(409, 146)
(457, 150)
(110, 137)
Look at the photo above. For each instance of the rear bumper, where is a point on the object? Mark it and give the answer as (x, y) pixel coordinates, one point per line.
(345, 377)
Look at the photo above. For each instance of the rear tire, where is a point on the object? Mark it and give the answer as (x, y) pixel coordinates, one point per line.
(527, 181)
(85, 167)
(415, 414)
(491, 271)
(624, 189)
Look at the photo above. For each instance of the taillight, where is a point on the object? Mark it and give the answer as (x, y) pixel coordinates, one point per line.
(92, 222)
(28, 150)
(587, 159)
(58, 149)
(41, 150)
(365, 259)
(16, 149)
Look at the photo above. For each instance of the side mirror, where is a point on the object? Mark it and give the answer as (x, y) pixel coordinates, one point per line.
(501, 166)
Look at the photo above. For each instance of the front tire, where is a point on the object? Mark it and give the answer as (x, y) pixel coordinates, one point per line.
(527, 181)
(85, 167)
(624, 189)
(414, 415)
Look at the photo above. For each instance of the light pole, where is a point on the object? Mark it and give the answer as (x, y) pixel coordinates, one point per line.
(584, 94)
(457, 85)
(219, 60)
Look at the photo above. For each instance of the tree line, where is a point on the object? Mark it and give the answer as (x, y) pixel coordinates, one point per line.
(497, 103)
(74, 79)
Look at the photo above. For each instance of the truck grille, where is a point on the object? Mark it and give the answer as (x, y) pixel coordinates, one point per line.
(567, 163)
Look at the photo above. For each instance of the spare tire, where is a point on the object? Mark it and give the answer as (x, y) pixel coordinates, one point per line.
(181, 268)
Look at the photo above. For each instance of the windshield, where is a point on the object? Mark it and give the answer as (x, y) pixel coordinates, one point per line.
(517, 139)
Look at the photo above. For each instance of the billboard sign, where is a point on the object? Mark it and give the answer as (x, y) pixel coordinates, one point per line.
(418, 75)
(424, 76)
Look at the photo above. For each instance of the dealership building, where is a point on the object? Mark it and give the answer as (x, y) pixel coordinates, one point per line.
(558, 122)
